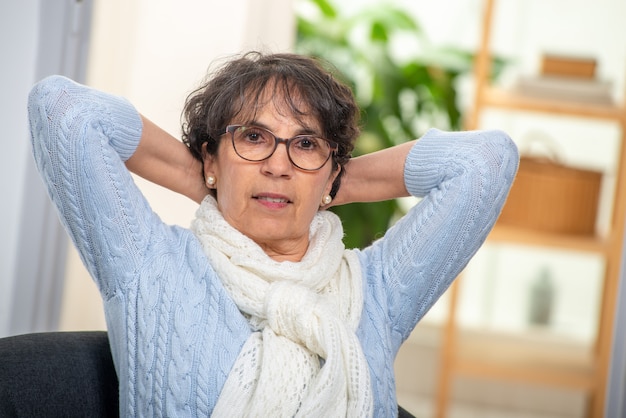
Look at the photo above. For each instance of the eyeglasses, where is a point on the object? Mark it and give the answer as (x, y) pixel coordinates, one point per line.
(307, 152)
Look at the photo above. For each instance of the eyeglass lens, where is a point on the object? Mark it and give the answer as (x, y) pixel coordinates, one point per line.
(256, 144)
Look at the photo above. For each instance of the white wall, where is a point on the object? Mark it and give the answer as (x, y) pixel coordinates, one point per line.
(154, 53)
(18, 48)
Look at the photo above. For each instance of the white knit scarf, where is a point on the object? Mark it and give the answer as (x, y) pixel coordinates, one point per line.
(299, 312)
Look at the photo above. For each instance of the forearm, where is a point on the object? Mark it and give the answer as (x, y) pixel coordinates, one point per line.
(375, 177)
(162, 159)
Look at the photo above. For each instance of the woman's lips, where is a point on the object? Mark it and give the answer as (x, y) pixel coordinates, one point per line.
(274, 201)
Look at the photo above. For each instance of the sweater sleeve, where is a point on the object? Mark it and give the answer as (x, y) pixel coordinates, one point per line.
(463, 179)
(80, 140)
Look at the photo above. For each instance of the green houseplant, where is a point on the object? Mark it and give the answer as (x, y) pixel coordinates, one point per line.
(401, 94)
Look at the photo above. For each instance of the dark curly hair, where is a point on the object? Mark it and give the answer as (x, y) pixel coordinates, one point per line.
(302, 84)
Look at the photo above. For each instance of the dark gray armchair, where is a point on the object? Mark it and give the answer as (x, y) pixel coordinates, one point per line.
(57, 374)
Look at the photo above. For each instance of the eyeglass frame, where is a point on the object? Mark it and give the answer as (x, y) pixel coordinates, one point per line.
(277, 140)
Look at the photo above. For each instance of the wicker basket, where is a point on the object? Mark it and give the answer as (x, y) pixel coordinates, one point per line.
(550, 197)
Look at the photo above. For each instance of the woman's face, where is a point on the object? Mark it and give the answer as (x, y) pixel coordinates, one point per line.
(271, 201)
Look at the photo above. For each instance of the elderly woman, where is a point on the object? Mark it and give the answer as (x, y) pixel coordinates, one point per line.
(258, 309)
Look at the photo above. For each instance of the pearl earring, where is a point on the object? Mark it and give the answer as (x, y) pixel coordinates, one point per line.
(326, 199)
(210, 181)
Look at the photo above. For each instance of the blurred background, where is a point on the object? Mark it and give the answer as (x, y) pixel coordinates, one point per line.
(528, 331)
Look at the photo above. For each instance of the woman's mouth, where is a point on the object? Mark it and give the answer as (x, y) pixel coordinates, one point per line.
(273, 199)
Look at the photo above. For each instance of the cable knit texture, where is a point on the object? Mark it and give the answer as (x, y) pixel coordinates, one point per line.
(175, 331)
(299, 312)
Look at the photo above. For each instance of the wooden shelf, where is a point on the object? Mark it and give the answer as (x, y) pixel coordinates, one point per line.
(544, 360)
(506, 372)
(499, 98)
(511, 234)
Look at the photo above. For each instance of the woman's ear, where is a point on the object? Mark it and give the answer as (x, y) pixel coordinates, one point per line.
(333, 176)
(331, 181)
(209, 168)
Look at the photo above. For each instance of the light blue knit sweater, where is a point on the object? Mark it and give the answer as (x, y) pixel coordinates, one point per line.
(174, 332)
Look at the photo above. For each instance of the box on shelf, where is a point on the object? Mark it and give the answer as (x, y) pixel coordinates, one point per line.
(548, 196)
(567, 66)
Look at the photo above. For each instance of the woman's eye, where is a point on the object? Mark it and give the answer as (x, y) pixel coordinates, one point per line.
(255, 136)
(307, 143)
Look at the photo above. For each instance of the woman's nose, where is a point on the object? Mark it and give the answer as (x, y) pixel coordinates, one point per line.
(278, 164)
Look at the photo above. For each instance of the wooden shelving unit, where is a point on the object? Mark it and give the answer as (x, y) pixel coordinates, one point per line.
(539, 360)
